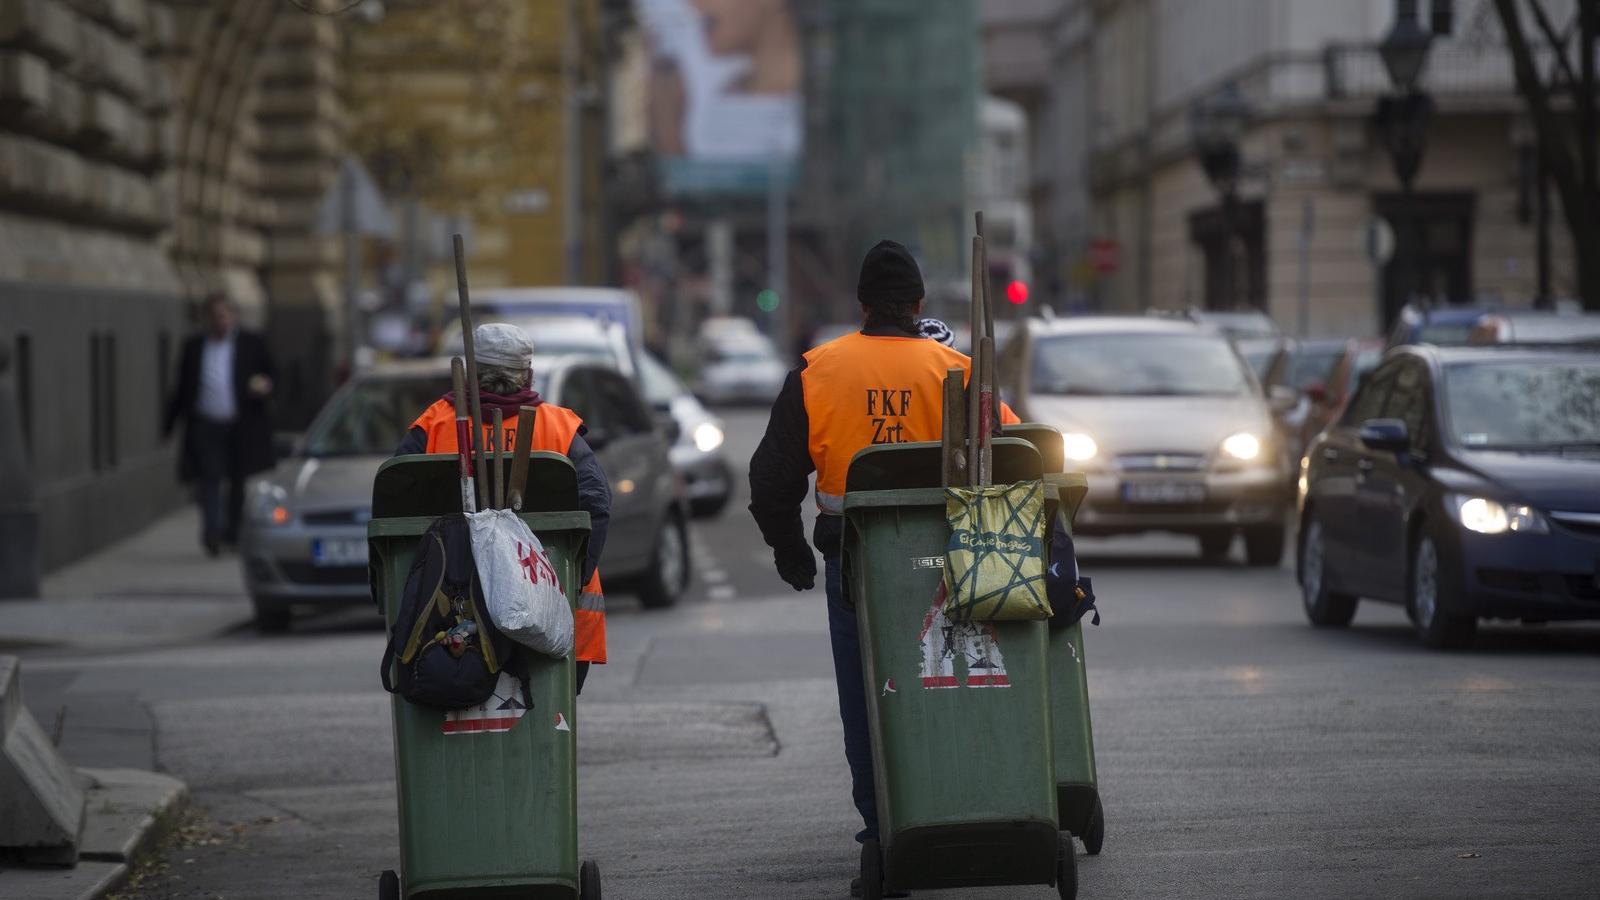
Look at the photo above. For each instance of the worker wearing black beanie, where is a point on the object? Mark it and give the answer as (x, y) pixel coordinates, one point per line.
(883, 384)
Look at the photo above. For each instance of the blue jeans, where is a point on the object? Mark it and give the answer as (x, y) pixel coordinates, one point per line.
(852, 697)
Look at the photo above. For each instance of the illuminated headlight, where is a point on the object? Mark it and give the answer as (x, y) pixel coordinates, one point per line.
(269, 505)
(1078, 447)
(1487, 516)
(1304, 482)
(707, 437)
(1243, 446)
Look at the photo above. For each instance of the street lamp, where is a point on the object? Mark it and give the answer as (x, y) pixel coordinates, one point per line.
(1218, 122)
(1403, 115)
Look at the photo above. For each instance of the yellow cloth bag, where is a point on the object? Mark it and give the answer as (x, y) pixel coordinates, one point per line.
(994, 563)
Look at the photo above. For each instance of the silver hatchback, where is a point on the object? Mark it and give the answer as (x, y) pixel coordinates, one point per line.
(304, 543)
(1166, 420)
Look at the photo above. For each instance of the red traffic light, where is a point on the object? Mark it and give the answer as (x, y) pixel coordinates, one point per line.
(1017, 292)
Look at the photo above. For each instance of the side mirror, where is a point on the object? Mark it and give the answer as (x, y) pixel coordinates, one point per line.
(668, 426)
(286, 444)
(1387, 435)
(1282, 398)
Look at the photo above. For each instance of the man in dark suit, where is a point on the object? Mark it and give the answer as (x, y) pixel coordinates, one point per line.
(224, 383)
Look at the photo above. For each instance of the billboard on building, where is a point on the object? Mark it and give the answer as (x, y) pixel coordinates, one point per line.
(724, 92)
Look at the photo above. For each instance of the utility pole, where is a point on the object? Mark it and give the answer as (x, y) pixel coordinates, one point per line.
(352, 263)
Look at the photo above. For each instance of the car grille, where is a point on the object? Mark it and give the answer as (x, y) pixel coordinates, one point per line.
(1160, 462)
(336, 517)
(306, 573)
(1582, 523)
(1578, 587)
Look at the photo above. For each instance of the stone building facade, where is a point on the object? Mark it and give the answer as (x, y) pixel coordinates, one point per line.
(1115, 162)
(151, 151)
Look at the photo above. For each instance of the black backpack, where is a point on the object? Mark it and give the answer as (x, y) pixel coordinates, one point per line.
(444, 651)
(1071, 594)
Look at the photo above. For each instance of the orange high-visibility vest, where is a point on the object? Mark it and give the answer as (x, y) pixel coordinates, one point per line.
(864, 389)
(553, 431)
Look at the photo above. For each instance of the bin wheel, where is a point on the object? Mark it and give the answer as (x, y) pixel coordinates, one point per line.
(1095, 837)
(388, 885)
(1067, 870)
(589, 880)
(871, 870)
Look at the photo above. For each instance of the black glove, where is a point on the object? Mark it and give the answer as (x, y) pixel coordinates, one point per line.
(797, 566)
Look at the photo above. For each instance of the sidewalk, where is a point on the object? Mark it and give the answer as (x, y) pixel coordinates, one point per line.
(156, 587)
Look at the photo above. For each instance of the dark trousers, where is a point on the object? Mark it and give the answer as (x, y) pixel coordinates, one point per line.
(216, 457)
(852, 697)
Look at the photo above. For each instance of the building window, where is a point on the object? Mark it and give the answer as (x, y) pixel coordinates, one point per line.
(25, 390)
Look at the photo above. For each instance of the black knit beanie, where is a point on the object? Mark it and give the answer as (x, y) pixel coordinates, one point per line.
(889, 275)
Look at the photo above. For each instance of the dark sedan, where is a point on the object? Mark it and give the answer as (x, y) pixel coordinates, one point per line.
(1463, 483)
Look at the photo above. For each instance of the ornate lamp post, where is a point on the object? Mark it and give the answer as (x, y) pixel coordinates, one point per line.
(1403, 115)
(1217, 123)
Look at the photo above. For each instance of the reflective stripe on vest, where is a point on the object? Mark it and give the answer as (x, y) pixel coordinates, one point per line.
(553, 431)
(862, 390)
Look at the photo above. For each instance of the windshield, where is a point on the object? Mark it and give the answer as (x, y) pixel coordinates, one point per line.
(1524, 405)
(1137, 365)
(1445, 334)
(369, 418)
(1311, 366)
(659, 384)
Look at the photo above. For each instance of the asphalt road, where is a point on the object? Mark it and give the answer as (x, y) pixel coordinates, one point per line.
(1241, 753)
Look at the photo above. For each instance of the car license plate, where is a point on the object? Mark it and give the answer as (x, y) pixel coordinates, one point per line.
(339, 552)
(1165, 492)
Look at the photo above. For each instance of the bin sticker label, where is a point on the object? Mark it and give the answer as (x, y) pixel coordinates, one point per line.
(927, 562)
(974, 642)
(493, 716)
(561, 723)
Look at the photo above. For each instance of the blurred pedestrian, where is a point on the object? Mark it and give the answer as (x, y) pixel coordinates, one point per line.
(505, 382)
(224, 384)
(883, 384)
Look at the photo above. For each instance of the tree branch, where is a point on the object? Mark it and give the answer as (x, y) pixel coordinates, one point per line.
(1551, 145)
(1558, 44)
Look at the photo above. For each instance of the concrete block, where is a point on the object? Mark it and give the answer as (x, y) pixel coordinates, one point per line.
(42, 795)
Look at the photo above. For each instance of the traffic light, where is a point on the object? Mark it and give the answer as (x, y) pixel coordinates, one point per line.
(1017, 292)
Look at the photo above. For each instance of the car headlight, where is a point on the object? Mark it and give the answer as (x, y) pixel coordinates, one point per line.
(269, 505)
(707, 437)
(1078, 447)
(1243, 446)
(1487, 516)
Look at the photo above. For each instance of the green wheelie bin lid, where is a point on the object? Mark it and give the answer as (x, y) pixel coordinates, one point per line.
(959, 715)
(487, 797)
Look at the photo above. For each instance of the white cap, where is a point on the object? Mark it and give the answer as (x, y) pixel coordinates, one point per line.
(498, 344)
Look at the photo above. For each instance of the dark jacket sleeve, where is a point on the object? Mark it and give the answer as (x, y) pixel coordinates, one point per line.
(594, 495)
(415, 441)
(780, 468)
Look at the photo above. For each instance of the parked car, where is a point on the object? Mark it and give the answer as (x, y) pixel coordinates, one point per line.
(1420, 323)
(1463, 483)
(304, 541)
(1536, 327)
(1167, 422)
(1235, 325)
(1328, 400)
(740, 369)
(698, 454)
(555, 336)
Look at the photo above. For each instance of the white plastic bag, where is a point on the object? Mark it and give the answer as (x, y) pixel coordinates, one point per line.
(519, 584)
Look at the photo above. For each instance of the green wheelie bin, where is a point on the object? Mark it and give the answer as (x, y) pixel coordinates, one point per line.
(959, 714)
(1077, 790)
(487, 796)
